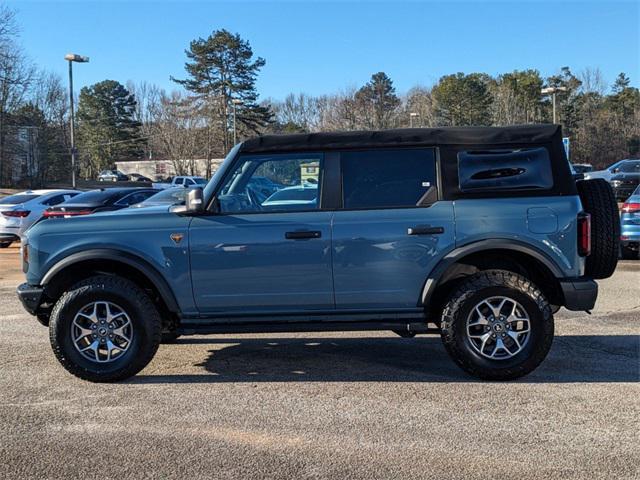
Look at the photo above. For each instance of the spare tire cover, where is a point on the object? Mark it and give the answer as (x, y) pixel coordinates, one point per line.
(598, 201)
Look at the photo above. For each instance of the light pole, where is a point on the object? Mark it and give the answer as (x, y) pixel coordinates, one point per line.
(235, 102)
(73, 57)
(412, 115)
(552, 91)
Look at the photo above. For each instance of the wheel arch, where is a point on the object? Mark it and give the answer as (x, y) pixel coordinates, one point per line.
(488, 255)
(83, 264)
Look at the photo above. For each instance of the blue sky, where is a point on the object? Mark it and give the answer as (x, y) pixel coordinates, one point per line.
(323, 47)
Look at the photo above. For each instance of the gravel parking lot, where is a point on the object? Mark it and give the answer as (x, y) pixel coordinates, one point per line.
(350, 405)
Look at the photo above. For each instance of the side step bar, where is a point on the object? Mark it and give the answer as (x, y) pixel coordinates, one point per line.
(201, 328)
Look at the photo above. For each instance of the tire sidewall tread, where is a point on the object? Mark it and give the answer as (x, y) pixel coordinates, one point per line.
(484, 285)
(146, 321)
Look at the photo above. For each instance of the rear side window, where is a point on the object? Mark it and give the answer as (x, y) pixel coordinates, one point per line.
(16, 199)
(491, 170)
(387, 178)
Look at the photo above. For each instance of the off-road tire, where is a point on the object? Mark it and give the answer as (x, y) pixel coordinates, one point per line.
(484, 285)
(146, 322)
(598, 201)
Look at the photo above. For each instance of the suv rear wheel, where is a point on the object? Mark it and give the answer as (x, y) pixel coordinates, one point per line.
(497, 325)
(104, 329)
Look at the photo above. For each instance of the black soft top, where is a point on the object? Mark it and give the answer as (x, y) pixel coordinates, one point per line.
(477, 136)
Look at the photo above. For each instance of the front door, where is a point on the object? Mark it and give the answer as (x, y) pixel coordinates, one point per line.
(268, 249)
(391, 230)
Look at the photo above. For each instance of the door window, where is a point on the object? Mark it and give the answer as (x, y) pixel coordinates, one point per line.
(387, 178)
(273, 183)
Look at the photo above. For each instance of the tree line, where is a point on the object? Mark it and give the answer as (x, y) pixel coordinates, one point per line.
(216, 100)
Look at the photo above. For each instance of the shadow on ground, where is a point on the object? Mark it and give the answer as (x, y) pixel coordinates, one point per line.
(612, 358)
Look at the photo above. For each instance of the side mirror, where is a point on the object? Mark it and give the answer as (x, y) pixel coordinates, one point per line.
(195, 201)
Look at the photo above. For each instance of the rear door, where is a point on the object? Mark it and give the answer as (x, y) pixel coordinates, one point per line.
(391, 230)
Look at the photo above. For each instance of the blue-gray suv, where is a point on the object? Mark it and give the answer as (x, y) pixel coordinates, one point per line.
(477, 234)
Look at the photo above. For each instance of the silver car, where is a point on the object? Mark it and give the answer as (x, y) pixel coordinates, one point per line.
(18, 212)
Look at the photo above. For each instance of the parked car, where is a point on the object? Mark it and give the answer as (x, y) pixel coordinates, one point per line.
(136, 177)
(103, 200)
(478, 234)
(169, 196)
(630, 226)
(582, 167)
(112, 176)
(18, 212)
(625, 179)
(181, 181)
(292, 196)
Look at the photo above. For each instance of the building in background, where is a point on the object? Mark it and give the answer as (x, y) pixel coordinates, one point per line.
(157, 169)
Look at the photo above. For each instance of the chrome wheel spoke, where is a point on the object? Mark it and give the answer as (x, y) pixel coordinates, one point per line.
(498, 328)
(102, 331)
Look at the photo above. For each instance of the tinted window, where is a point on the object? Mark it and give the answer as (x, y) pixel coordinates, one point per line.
(200, 181)
(179, 181)
(134, 198)
(387, 178)
(489, 170)
(630, 167)
(97, 197)
(292, 182)
(15, 199)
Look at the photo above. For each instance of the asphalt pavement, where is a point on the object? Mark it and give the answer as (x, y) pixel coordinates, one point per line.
(336, 406)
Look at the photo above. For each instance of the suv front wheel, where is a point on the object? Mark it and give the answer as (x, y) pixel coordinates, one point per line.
(104, 329)
(497, 325)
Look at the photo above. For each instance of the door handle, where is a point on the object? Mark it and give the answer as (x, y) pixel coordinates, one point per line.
(425, 230)
(302, 234)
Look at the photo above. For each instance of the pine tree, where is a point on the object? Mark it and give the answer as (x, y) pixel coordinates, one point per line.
(378, 100)
(107, 131)
(463, 99)
(222, 73)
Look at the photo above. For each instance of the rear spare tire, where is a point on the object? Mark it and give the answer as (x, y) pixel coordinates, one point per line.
(599, 202)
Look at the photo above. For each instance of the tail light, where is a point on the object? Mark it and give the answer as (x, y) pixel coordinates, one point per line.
(584, 234)
(16, 213)
(630, 207)
(59, 213)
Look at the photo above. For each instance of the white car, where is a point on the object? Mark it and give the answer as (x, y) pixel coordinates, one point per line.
(181, 181)
(18, 212)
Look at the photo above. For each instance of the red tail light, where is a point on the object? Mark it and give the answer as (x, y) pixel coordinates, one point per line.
(584, 234)
(59, 213)
(631, 207)
(16, 213)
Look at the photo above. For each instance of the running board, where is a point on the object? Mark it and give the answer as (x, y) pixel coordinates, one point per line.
(202, 328)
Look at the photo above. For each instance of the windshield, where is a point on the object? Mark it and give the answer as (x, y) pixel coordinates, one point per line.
(200, 181)
(15, 199)
(208, 190)
(172, 196)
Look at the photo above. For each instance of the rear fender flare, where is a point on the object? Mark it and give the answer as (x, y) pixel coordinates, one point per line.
(455, 255)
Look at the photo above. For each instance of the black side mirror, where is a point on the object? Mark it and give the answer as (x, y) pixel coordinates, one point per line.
(195, 201)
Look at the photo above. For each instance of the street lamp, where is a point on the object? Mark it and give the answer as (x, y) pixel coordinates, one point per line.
(552, 91)
(412, 115)
(235, 102)
(73, 57)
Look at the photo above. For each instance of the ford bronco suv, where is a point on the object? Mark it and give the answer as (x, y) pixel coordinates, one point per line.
(477, 234)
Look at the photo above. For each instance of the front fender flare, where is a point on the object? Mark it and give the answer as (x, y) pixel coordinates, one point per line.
(143, 266)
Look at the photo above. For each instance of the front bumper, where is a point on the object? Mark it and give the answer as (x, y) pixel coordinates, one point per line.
(579, 293)
(30, 296)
